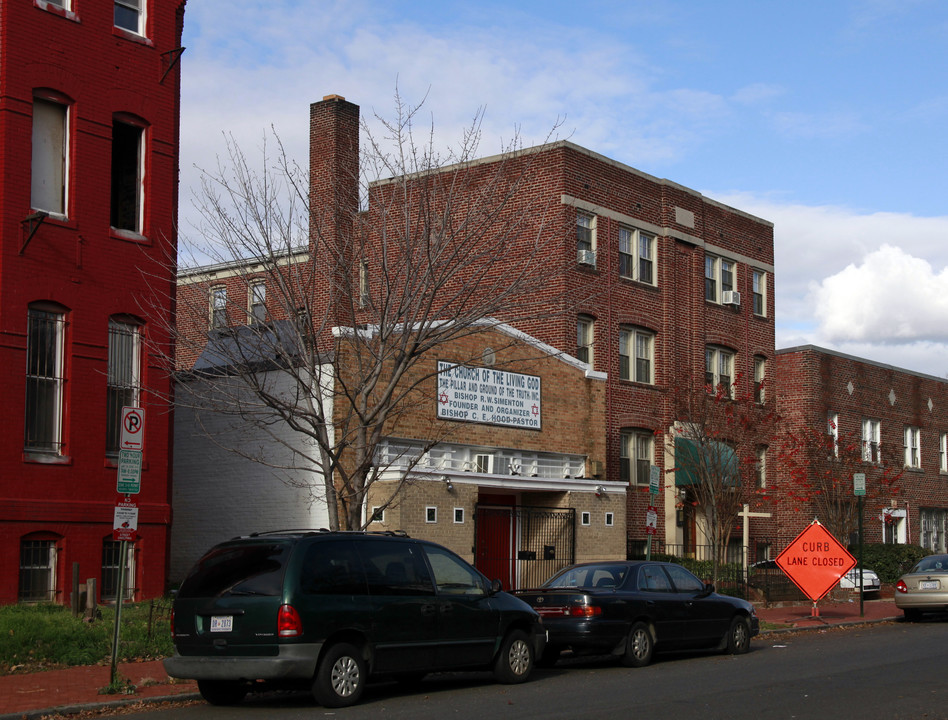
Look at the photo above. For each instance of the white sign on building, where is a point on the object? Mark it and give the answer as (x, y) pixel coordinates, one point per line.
(485, 395)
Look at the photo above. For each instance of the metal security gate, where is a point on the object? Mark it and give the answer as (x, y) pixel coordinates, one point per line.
(523, 546)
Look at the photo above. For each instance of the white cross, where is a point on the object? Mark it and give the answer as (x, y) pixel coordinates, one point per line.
(746, 514)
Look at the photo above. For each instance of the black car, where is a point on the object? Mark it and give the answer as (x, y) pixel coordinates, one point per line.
(327, 610)
(632, 609)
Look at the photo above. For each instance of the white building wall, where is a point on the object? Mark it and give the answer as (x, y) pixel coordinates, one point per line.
(218, 494)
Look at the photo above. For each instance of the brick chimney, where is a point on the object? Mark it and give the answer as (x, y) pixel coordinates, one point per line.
(333, 169)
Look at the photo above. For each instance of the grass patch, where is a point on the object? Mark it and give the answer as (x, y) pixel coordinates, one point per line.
(38, 637)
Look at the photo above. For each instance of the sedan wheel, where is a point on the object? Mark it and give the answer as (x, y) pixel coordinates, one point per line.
(340, 678)
(639, 647)
(738, 637)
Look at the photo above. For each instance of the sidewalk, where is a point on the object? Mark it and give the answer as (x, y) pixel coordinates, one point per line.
(70, 691)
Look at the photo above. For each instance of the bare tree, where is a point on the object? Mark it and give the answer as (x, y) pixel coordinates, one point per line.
(719, 445)
(818, 474)
(316, 322)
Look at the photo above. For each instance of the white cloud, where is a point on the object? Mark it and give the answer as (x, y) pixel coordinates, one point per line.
(888, 297)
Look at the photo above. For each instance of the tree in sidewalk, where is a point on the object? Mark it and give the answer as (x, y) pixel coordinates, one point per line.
(720, 444)
(326, 317)
(817, 476)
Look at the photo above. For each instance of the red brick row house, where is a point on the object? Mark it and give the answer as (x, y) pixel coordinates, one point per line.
(89, 117)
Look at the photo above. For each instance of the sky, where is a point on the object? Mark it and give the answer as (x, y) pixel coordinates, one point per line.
(827, 118)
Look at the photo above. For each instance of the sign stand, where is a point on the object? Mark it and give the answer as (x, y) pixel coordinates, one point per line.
(859, 490)
(654, 478)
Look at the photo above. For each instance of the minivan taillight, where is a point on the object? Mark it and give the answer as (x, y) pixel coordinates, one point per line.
(288, 622)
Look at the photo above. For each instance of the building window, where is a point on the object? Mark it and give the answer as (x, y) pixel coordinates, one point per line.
(586, 238)
(760, 467)
(127, 163)
(610, 519)
(871, 432)
(635, 457)
(720, 276)
(832, 431)
(49, 169)
(458, 516)
(64, 4)
(719, 371)
(112, 567)
(934, 524)
(258, 303)
(123, 378)
(913, 443)
(431, 514)
(760, 377)
(37, 571)
(129, 15)
(636, 355)
(943, 453)
(44, 380)
(584, 339)
(759, 288)
(218, 307)
(364, 283)
(637, 255)
(585, 518)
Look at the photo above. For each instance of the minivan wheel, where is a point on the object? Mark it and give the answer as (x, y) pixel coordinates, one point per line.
(222, 692)
(340, 678)
(515, 659)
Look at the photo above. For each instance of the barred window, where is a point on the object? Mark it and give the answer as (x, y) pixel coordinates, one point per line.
(112, 568)
(37, 571)
(44, 380)
(123, 378)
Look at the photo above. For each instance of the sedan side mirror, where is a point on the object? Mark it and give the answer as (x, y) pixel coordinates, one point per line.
(496, 586)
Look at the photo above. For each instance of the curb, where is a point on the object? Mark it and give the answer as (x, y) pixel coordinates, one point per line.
(104, 705)
(824, 626)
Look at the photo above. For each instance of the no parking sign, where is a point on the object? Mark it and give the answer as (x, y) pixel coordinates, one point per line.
(133, 428)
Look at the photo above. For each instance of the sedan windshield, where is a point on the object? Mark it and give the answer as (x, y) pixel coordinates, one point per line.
(590, 576)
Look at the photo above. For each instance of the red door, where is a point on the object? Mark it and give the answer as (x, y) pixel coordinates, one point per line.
(495, 555)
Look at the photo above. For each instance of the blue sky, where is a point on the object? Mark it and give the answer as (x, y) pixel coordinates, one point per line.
(827, 118)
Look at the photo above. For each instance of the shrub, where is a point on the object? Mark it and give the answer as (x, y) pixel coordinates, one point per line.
(889, 561)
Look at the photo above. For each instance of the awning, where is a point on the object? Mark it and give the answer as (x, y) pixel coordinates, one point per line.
(710, 459)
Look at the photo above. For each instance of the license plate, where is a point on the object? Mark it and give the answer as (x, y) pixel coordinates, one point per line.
(928, 585)
(222, 623)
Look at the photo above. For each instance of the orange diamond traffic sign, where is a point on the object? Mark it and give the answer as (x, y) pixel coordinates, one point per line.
(815, 561)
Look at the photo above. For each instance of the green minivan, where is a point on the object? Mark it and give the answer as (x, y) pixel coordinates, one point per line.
(327, 610)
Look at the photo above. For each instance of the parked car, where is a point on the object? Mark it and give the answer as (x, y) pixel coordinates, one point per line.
(870, 581)
(328, 610)
(924, 588)
(632, 609)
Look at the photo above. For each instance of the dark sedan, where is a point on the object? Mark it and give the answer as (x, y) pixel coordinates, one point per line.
(632, 609)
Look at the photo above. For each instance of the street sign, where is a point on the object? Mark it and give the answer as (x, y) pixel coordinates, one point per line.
(129, 476)
(654, 478)
(125, 521)
(815, 561)
(859, 484)
(133, 429)
(651, 520)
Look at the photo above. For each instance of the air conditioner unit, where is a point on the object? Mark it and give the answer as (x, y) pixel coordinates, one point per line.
(731, 297)
(586, 257)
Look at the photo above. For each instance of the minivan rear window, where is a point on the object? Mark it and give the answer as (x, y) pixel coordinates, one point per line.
(246, 569)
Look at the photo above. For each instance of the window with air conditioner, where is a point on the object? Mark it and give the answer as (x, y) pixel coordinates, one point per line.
(720, 281)
(585, 239)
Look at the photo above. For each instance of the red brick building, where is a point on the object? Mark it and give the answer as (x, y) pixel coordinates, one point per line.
(657, 287)
(895, 416)
(89, 117)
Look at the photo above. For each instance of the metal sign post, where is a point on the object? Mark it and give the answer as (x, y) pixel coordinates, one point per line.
(859, 490)
(651, 519)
